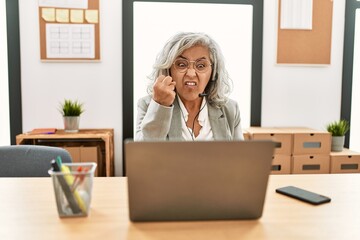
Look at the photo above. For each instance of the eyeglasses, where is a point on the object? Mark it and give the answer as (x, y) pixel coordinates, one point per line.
(201, 65)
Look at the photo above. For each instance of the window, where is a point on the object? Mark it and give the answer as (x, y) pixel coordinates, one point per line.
(243, 27)
(350, 104)
(4, 82)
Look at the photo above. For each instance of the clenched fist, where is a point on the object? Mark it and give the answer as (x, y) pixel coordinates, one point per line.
(164, 90)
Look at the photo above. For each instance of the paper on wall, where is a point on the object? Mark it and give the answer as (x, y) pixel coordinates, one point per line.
(76, 16)
(62, 15)
(296, 14)
(91, 16)
(70, 40)
(83, 4)
(48, 14)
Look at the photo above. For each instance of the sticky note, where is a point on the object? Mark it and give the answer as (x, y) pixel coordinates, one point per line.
(62, 15)
(92, 16)
(76, 16)
(48, 14)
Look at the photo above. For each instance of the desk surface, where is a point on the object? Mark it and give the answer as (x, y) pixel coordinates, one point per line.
(28, 211)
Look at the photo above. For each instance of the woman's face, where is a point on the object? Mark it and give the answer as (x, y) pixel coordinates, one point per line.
(191, 80)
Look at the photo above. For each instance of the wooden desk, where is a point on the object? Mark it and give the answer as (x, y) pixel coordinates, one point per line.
(90, 137)
(28, 211)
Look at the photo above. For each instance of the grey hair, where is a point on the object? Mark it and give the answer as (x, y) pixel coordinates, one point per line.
(219, 86)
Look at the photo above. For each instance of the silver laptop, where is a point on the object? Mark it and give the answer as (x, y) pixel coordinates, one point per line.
(212, 180)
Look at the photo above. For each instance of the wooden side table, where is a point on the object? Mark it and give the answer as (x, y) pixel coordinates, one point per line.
(104, 138)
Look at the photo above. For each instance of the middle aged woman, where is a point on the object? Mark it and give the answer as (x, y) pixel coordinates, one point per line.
(188, 94)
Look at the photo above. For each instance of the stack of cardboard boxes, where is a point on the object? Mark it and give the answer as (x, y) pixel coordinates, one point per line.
(311, 150)
(282, 153)
(302, 150)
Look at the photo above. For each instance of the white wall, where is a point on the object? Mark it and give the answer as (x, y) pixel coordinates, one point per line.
(307, 96)
(4, 82)
(98, 85)
(292, 95)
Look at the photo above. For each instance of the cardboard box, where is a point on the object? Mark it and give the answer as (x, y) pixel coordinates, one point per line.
(305, 164)
(310, 141)
(346, 161)
(282, 139)
(75, 153)
(281, 164)
(87, 154)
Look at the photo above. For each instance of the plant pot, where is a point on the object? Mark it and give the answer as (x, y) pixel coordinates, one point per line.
(71, 124)
(337, 143)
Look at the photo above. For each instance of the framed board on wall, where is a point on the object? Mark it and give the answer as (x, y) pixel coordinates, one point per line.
(69, 30)
(307, 46)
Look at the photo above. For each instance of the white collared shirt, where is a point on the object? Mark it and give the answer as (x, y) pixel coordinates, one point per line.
(203, 119)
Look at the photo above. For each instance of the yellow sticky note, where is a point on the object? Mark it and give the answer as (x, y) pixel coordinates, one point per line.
(92, 16)
(76, 16)
(48, 14)
(62, 15)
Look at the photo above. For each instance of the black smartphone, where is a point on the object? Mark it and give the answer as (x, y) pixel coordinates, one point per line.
(303, 195)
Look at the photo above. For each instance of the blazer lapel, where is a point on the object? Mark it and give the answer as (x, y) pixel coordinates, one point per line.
(175, 126)
(218, 123)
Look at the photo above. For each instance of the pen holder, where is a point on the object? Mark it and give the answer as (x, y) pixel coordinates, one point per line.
(73, 188)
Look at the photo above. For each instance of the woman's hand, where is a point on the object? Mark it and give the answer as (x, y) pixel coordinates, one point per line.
(164, 90)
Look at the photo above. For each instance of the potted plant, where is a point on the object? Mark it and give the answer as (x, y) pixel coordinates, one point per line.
(71, 111)
(338, 129)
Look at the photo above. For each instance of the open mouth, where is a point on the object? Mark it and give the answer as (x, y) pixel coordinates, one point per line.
(192, 84)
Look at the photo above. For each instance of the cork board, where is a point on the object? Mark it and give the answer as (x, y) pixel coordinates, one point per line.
(297, 46)
(69, 32)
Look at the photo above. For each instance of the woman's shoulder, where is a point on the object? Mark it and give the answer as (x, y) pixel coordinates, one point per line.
(144, 100)
(231, 103)
(231, 107)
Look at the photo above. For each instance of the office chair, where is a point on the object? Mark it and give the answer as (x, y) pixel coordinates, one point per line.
(29, 160)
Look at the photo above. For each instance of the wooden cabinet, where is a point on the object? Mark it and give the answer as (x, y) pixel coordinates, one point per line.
(101, 139)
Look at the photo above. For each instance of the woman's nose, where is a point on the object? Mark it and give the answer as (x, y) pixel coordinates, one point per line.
(191, 71)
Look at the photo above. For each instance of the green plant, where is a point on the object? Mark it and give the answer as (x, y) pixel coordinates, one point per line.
(338, 128)
(70, 108)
